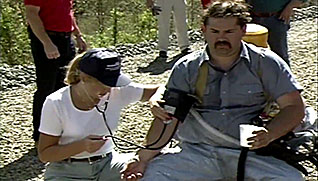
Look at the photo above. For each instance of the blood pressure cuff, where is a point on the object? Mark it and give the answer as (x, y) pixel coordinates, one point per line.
(178, 103)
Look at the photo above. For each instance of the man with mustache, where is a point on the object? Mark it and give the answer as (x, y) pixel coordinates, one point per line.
(239, 76)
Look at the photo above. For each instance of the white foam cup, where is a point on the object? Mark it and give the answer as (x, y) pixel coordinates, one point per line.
(246, 131)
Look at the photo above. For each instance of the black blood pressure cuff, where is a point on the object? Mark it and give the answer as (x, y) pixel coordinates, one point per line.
(178, 103)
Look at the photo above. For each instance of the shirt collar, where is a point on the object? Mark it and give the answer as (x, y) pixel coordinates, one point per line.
(244, 52)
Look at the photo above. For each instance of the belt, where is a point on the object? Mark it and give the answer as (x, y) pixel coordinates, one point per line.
(256, 14)
(89, 160)
(56, 33)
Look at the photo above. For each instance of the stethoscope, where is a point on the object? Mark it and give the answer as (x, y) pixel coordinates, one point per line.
(134, 145)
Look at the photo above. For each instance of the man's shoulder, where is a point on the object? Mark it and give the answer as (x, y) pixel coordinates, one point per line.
(191, 60)
(257, 53)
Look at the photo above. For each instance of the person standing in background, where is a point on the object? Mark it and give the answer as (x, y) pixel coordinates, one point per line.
(163, 9)
(275, 16)
(50, 25)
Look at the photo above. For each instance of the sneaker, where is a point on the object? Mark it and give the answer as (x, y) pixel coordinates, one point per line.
(163, 54)
(185, 51)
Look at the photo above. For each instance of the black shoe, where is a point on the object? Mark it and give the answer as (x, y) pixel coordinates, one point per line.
(185, 51)
(163, 54)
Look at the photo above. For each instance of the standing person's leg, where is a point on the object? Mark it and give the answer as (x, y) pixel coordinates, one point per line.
(46, 71)
(164, 24)
(277, 35)
(48, 75)
(67, 51)
(180, 19)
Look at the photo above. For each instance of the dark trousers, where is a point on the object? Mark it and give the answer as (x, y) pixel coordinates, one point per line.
(50, 73)
(277, 34)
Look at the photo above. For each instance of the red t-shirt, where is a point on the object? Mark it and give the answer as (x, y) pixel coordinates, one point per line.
(205, 3)
(56, 15)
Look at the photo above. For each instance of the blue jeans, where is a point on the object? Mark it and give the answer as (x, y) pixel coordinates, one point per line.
(50, 73)
(106, 169)
(202, 162)
(277, 34)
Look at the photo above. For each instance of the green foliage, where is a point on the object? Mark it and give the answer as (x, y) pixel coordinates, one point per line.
(103, 22)
(117, 22)
(14, 44)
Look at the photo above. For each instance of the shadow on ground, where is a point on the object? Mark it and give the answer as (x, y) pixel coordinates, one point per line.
(27, 167)
(160, 65)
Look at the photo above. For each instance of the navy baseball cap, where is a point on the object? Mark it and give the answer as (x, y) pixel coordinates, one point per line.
(104, 65)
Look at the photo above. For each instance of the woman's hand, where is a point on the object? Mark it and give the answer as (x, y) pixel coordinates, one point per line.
(157, 110)
(92, 143)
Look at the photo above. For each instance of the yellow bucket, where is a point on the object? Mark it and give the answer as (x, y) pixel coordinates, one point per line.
(256, 34)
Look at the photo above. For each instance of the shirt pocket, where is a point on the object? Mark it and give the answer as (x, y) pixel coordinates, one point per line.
(250, 94)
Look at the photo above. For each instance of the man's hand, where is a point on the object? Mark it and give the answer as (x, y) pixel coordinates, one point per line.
(93, 143)
(134, 170)
(261, 139)
(81, 44)
(286, 14)
(149, 4)
(51, 50)
(289, 10)
(155, 10)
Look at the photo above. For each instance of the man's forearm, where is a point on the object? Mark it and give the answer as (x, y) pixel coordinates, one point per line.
(287, 120)
(153, 135)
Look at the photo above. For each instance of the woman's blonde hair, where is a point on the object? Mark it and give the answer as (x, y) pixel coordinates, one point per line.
(73, 71)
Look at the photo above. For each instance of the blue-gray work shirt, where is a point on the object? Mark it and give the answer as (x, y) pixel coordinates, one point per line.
(231, 97)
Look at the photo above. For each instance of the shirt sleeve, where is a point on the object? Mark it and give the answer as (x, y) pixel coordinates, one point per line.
(179, 78)
(277, 76)
(128, 94)
(50, 121)
(33, 2)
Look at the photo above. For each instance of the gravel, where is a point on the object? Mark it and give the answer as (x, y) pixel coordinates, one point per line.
(18, 160)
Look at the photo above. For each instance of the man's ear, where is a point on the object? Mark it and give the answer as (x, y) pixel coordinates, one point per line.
(203, 28)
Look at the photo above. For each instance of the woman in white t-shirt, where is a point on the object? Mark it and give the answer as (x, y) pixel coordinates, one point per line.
(71, 127)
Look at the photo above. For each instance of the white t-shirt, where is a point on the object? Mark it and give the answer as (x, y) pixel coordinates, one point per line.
(61, 118)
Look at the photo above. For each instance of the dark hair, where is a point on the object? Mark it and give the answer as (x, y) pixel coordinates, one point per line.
(228, 8)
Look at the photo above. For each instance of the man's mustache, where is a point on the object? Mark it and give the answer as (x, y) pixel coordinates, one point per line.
(222, 43)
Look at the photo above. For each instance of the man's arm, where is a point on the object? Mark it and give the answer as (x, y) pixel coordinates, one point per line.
(292, 111)
(136, 168)
(288, 10)
(36, 24)
(80, 42)
(290, 116)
